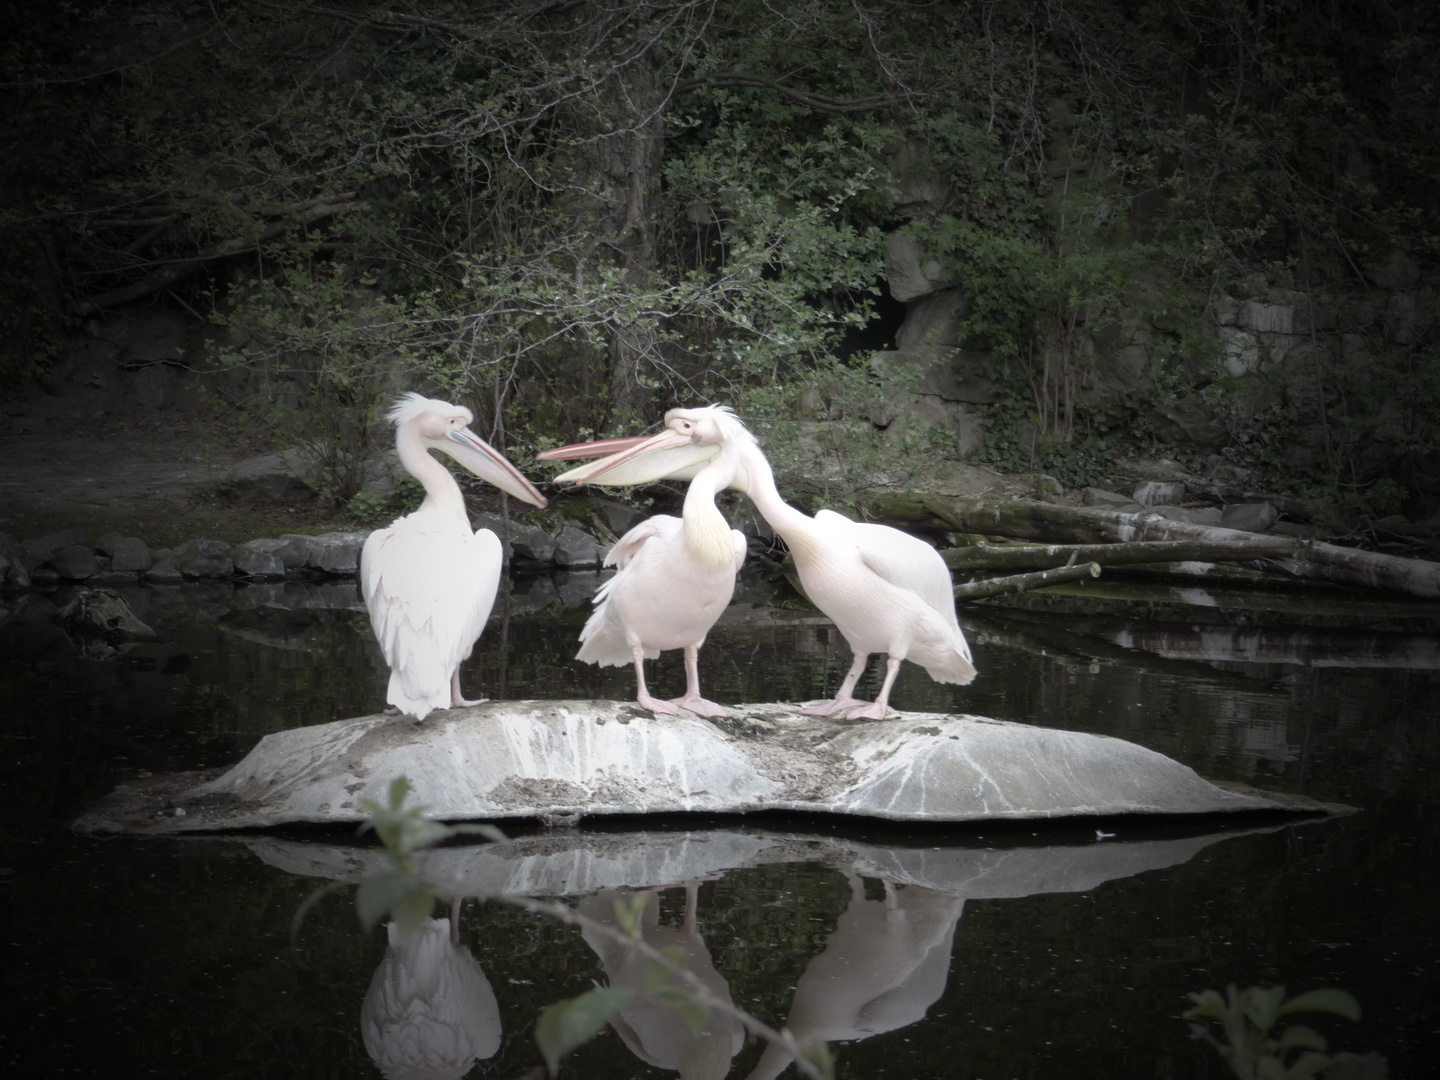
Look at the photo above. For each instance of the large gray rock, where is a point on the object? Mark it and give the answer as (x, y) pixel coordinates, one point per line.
(204, 559)
(1159, 493)
(129, 554)
(293, 549)
(908, 273)
(1190, 515)
(337, 552)
(75, 563)
(525, 541)
(257, 559)
(575, 548)
(1249, 517)
(563, 759)
(164, 570)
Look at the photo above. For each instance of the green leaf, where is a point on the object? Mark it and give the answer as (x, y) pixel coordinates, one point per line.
(1300, 1037)
(819, 1055)
(379, 894)
(1339, 1002)
(1208, 1003)
(573, 1022)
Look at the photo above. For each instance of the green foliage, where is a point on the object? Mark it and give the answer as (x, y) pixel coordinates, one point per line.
(572, 1023)
(403, 892)
(1254, 1051)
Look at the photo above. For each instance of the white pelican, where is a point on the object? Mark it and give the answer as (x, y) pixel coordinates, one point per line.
(886, 590)
(676, 577)
(428, 581)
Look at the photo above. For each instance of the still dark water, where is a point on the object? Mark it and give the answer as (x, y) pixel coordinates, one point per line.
(980, 951)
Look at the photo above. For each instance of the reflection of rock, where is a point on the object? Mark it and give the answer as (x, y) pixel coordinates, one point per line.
(653, 1029)
(882, 968)
(99, 620)
(430, 1012)
(580, 863)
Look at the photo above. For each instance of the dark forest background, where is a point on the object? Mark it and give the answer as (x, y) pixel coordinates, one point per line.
(1206, 228)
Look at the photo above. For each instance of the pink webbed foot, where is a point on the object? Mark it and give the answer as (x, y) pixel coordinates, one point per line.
(830, 708)
(700, 707)
(655, 705)
(871, 711)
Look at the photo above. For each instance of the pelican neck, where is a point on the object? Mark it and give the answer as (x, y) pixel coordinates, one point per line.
(442, 493)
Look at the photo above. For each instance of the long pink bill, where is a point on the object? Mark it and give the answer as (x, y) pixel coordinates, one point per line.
(580, 451)
(666, 456)
(486, 462)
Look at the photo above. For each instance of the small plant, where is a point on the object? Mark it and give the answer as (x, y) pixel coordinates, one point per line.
(368, 506)
(1247, 1018)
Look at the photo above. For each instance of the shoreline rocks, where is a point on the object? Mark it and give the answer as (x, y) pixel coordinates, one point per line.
(67, 557)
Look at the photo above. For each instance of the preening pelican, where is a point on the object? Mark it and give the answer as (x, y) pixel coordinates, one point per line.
(428, 581)
(676, 575)
(886, 590)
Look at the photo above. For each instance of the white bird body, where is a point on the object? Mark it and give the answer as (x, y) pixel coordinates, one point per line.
(676, 576)
(430, 1011)
(428, 581)
(637, 605)
(887, 591)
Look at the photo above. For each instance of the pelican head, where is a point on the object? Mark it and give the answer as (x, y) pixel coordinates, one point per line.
(439, 425)
(709, 425)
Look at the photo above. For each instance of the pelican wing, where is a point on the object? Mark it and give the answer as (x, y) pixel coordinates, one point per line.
(429, 588)
(905, 561)
(629, 545)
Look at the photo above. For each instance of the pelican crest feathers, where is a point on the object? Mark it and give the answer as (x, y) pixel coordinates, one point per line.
(411, 405)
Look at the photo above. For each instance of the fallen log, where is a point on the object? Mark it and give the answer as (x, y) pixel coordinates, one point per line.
(983, 556)
(1027, 520)
(978, 590)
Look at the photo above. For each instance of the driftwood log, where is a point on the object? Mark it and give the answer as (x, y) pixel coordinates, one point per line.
(1026, 520)
(984, 556)
(977, 590)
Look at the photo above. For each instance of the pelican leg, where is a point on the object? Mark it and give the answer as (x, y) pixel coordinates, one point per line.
(842, 698)
(877, 710)
(692, 699)
(457, 699)
(642, 696)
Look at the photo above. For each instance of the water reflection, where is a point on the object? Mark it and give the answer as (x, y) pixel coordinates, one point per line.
(884, 962)
(430, 1013)
(653, 1027)
(883, 967)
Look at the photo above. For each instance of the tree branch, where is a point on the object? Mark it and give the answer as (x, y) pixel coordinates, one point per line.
(817, 101)
(316, 210)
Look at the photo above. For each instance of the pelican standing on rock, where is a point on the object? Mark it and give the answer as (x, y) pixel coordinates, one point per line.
(428, 581)
(887, 591)
(676, 575)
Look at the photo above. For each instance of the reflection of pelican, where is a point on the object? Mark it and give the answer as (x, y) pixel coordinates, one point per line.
(428, 581)
(652, 1028)
(430, 1013)
(885, 964)
(886, 590)
(676, 577)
